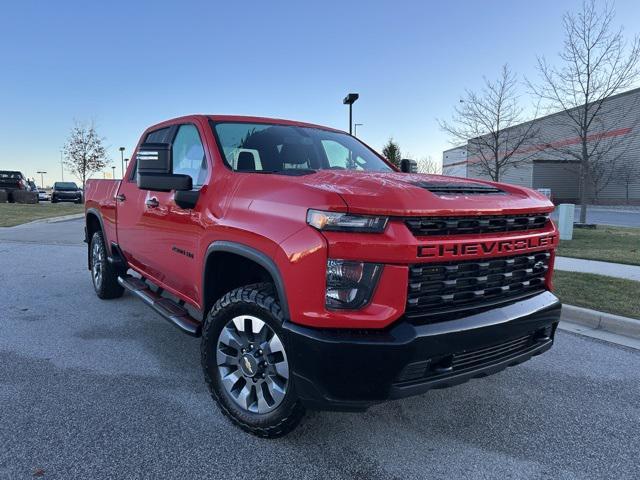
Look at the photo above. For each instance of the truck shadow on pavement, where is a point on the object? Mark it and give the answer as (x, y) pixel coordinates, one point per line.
(533, 417)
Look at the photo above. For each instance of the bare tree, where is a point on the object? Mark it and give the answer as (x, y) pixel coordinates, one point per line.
(391, 151)
(84, 152)
(490, 122)
(595, 63)
(628, 174)
(429, 165)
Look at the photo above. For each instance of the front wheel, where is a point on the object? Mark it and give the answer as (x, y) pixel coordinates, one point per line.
(245, 362)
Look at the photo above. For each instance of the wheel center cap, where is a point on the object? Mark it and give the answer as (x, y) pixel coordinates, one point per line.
(248, 365)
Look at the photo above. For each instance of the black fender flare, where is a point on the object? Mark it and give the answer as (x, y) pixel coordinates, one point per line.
(254, 255)
(95, 212)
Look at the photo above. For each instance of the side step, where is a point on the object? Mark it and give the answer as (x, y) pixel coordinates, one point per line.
(169, 309)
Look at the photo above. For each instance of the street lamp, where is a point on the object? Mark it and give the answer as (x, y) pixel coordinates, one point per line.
(41, 178)
(62, 165)
(350, 100)
(355, 128)
(113, 169)
(126, 165)
(122, 159)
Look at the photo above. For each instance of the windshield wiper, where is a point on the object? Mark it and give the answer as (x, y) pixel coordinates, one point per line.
(283, 171)
(295, 171)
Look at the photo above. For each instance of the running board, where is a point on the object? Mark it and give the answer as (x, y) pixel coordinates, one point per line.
(166, 307)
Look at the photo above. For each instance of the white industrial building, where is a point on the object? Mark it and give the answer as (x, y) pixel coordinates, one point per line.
(539, 166)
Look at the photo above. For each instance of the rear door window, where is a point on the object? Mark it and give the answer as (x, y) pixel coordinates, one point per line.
(157, 136)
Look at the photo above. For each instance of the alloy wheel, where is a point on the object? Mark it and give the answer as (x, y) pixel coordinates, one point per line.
(97, 259)
(252, 364)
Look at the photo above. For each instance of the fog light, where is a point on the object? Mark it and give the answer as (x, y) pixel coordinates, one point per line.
(350, 285)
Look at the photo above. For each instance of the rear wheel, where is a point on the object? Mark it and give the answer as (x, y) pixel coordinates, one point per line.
(245, 362)
(104, 276)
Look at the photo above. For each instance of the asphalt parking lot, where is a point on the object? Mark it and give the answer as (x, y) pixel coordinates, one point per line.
(107, 389)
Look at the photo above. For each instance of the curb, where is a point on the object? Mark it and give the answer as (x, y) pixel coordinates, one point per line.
(608, 322)
(62, 218)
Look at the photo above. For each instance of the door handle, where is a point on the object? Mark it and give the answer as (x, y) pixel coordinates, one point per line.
(152, 202)
(121, 197)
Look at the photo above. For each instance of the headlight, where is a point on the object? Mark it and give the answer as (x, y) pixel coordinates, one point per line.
(345, 222)
(350, 285)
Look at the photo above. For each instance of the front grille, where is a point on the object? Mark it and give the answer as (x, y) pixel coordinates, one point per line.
(456, 288)
(476, 358)
(449, 365)
(423, 226)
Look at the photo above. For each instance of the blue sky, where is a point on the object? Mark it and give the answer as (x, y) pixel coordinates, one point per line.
(126, 65)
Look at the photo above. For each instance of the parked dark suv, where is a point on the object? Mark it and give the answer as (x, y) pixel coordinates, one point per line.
(66, 192)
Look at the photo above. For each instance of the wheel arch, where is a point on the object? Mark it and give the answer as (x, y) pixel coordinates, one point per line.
(93, 223)
(248, 257)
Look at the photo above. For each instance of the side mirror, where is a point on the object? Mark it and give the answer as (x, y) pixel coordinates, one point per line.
(408, 166)
(164, 182)
(154, 158)
(155, 167)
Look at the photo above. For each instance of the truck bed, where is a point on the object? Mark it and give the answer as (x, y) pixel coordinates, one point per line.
(100, 196)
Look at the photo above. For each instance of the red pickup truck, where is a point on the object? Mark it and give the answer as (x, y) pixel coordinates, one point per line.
(317, 274)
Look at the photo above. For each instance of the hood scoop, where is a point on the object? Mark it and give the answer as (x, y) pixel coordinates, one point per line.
(453, 188)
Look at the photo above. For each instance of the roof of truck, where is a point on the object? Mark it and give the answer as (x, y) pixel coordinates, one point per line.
(245, 119)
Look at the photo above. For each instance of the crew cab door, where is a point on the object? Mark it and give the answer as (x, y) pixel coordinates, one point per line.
(168, 236)
(132, 223)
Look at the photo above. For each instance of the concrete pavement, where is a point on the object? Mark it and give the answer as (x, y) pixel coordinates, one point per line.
(629, 272)
(43, 232)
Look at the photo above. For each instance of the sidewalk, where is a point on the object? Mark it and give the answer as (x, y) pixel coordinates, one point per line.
(629, 272)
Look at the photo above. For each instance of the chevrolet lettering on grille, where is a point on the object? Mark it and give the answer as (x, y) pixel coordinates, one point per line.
(464, 249)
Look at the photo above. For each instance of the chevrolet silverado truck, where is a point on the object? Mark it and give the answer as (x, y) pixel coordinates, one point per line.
(317, 274)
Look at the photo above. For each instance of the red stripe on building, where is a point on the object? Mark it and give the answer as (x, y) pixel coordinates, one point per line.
(560, 143)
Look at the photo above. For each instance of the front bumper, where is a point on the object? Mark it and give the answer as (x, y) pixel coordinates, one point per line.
(67, 197)
(352, 370)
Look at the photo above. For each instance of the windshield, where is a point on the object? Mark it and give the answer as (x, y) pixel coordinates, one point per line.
(65, 186)
(12, 175)
(259, 147)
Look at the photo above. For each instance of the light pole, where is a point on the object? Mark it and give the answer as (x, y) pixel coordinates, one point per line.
(113, 169)
(126, 165)
(61, 165)
(355, 128)
(41, 178)
(122, 159)
(350, 100)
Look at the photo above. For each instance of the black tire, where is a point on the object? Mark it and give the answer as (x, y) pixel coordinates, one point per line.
(54, 200)
(258, 300)
(106, 283)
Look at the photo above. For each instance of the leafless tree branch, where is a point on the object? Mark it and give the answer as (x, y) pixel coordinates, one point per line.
(491, 122)
(596, 63)
(84, 152)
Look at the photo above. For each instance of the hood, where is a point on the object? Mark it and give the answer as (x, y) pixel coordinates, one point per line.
(402, 194)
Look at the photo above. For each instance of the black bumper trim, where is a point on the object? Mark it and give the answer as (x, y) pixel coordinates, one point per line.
(352, 370)
(416, 388)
